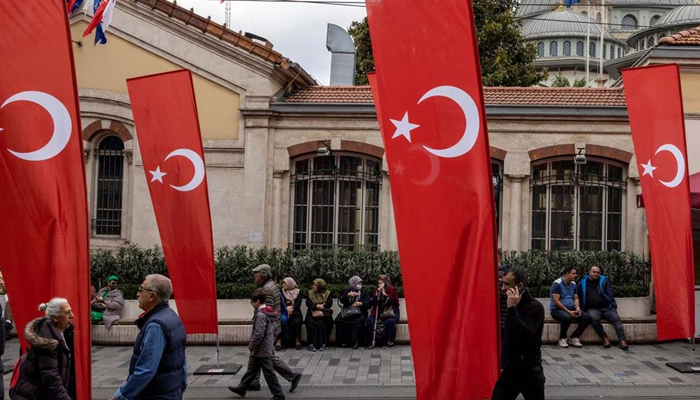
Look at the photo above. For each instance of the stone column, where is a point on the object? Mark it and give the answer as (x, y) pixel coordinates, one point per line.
(516, 203)
(277, 204)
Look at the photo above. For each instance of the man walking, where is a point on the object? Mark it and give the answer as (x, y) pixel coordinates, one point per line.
(564, 307)
(262, 348)
(263, 278)
(522, 372)
(596, 292)
(158, 368)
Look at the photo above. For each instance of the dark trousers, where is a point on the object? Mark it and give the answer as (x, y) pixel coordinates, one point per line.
(278, 365)
(317, 331)
(348, 332)
(291, 330)
(389, 328)
(611, 315)
(255, 364)
(512, 383)
(565, 320)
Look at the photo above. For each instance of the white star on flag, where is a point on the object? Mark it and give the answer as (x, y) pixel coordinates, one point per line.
(648, 169)
(403, 127)
(157, 175)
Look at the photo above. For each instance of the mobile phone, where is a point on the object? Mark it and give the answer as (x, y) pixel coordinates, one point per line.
(520, 287)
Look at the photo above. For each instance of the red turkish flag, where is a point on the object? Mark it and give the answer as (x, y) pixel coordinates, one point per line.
(431, 113)
(170, 143)
(43, 209)
(656, 117)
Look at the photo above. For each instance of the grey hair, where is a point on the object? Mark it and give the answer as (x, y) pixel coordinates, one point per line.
(53, 307)
(161, 285)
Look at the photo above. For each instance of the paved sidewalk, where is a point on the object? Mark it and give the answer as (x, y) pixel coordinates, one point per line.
(388, 373)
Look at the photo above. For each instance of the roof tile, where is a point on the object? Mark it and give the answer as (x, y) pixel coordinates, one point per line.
(606, 97)
(688, 37)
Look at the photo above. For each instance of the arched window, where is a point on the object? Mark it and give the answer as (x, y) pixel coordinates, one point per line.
(654, 20)
(612, 52)
(567, 48)
(336, 202)
(577, 206)
(579, 49)
(651, 42)
(604, 51)
(629, 22)
(553, 48)
(591, 49)
(540, 49)
(110, 176)
(584, 13)
(597, 17)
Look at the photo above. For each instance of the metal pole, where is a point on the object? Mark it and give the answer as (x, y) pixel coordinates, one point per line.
(588, 45)
(218, 349)
(602, 44)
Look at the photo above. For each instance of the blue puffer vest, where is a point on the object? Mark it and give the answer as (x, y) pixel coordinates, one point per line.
(167, 383)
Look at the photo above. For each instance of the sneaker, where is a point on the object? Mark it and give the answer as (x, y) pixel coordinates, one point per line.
(295, 383)
(323, 347)
(575, 342)
(237, 390)
(390, 344)
(563, 344)
(312, 348)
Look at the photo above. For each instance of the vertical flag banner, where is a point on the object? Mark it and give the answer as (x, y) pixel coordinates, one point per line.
(170, 143)
(655, 108)
(429, 101)
(43, 209)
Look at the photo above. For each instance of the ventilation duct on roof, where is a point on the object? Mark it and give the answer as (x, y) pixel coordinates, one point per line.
(342, 49)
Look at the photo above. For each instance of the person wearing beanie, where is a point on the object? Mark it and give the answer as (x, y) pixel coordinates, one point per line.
(107, 304)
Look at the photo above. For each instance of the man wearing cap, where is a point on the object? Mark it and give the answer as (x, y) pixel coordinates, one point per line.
(108, 303)
(263, 278)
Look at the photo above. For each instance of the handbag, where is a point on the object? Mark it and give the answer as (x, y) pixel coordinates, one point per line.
(316, 314)
(388, 313)
(350, 313)
(98, 307)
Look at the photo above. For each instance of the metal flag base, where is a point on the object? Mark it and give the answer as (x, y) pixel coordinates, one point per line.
(218, 368)
(686, 367)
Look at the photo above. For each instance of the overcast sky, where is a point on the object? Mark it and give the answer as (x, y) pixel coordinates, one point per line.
(298, 31)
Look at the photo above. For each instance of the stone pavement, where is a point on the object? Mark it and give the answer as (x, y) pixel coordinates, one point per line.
(590, 370)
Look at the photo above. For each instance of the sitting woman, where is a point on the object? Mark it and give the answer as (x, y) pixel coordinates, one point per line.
(354, 302)
(107, 303)
(385, 304)
(291, 329)
(319, 314)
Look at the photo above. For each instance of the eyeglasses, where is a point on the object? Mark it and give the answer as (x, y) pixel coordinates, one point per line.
(141, 289)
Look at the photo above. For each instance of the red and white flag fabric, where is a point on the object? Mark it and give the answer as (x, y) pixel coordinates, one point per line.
(170, 143)
(655, 108)
(43, 209)
(428, 93)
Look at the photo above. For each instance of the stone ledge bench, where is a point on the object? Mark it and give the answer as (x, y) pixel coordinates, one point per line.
(235, 323)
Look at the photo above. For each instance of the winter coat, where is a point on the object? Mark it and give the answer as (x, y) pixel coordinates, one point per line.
(115, 302)
(262, 337)
(272, 299)
(327, 308)
(346, 301)
(391, 299)
(49, 371)
(523, 336)
(606, 290)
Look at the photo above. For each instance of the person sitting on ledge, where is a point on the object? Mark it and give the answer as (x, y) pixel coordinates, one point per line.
(596, 292)
(107, 303)
(564, 307)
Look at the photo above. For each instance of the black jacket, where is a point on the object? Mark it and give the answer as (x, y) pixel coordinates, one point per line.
(523, 336)
(347, 301)
(49, 371)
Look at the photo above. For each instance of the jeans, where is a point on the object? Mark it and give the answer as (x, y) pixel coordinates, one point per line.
(255, 364)
(565, 319)
(511, 384)
(611, 315)
(278, 365)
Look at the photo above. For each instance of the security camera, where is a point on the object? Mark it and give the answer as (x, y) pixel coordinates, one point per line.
(324, 151)
(580, 158)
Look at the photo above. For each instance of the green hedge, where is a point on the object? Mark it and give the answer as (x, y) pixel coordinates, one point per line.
(233, 267)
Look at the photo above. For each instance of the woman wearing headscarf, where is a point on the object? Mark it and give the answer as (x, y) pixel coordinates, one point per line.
(385, 304)
(291, 329)
(48, 372)
(108, 302)
(319, 320)
(354, 302)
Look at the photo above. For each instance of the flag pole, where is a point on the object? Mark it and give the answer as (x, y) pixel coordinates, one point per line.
(602, 45)
(588, 45)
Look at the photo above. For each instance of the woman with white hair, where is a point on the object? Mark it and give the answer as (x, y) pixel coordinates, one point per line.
(48, 373)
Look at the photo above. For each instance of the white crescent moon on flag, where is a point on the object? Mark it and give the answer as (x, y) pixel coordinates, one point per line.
(680, 161)
(471, 115)
(62, 125)
(198, 163)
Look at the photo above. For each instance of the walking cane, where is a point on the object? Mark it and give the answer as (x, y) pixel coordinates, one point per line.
(376, 317)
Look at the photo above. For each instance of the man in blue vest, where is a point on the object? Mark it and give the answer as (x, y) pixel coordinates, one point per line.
(158, 368)
(596, 293)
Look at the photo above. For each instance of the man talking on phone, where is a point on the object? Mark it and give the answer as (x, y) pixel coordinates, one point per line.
(522, 372)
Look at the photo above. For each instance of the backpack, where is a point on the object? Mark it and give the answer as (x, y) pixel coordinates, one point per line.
(17, 371)
(284, 315)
